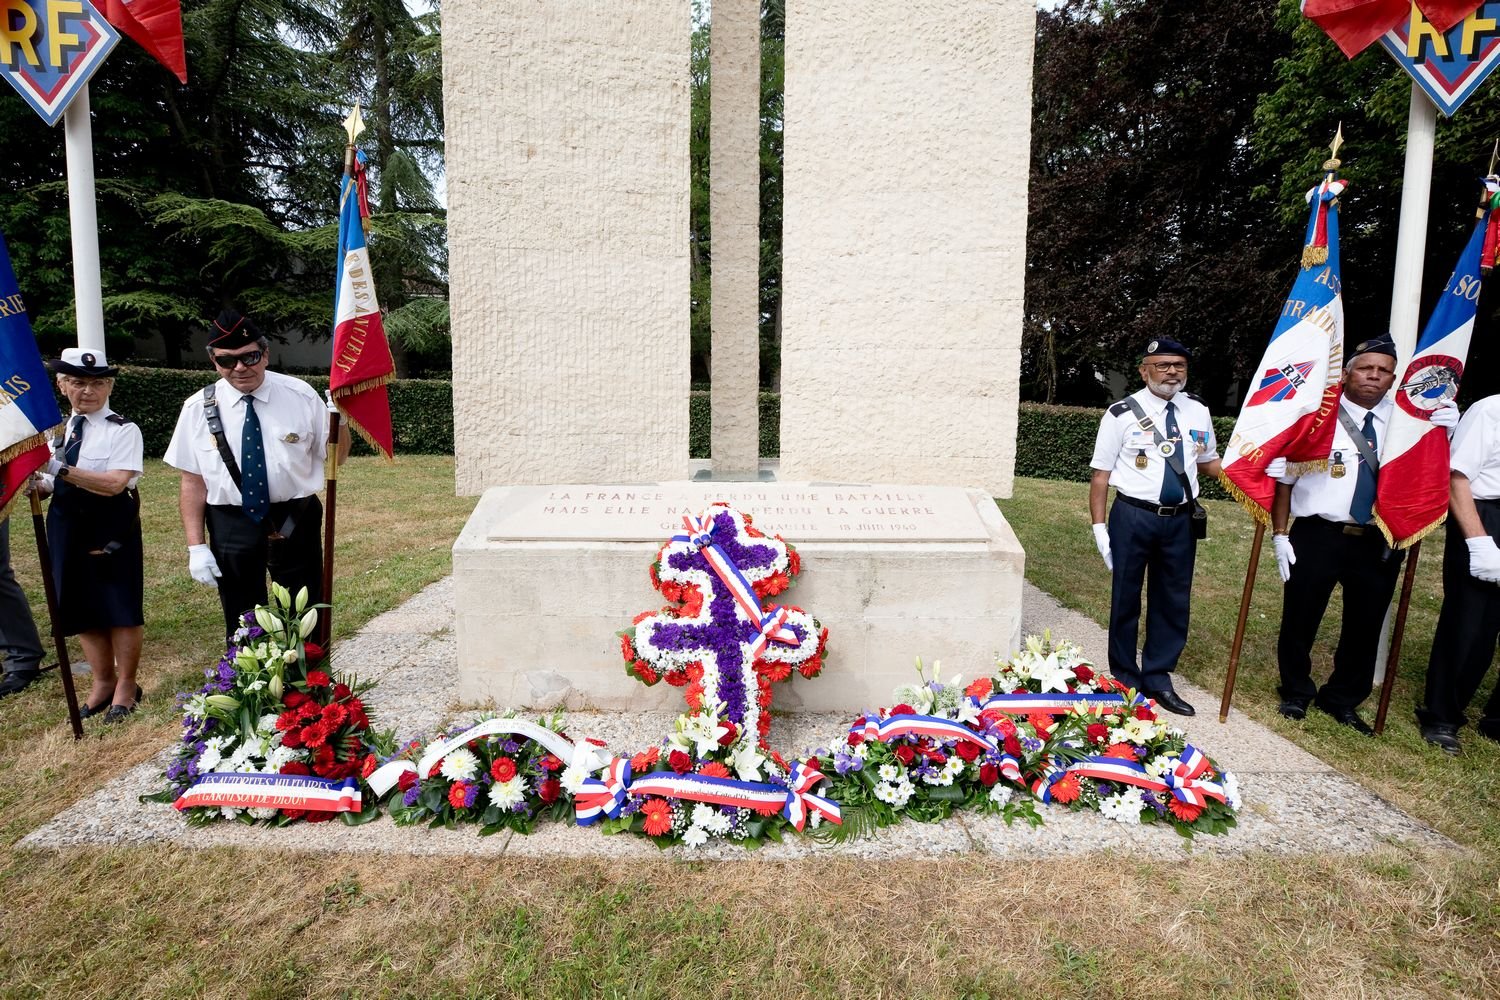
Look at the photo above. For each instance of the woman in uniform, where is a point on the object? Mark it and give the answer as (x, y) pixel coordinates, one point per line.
(94, 526)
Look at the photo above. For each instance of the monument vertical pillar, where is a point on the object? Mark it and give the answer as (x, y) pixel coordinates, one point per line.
(734, 217)
(904, 241)
(567, 153)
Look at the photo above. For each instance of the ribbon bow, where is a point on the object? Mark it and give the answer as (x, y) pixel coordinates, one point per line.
(1185, 780)
(597, 798)
(798, 798)
(772, 623)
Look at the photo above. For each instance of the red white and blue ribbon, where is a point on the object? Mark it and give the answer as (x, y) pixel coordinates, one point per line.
(1056, 704)
(388, 774)
(772, 621)
(272, 791)
(1185, 779)
(793, 801)
(937, 728)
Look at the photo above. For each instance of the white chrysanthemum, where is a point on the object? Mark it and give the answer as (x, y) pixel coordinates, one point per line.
(1122, 808)
(506, 794)
(239, 762)
(263, 812)
(573, 777)
(694, 836)
(230, 812)
(1000, 794)
(267, 723)
(702, 813)
(889, 772)
(1231, 790)
(280, 756)
(460, 765)
(254, 745)
(897, 793)
(711, 819)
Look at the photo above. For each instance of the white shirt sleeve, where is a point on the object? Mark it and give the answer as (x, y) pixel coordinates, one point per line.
(1107, 443)
(180, 452)
(1211, 450)
(127, 449)
(1473, 442)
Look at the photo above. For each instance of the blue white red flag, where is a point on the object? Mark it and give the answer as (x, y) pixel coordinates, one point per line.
(362, 362)
(28, 406)
(1288, 410)
(1411, 495)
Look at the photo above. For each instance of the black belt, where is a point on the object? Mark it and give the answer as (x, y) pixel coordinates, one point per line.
(1160, 510)
(1347, 527)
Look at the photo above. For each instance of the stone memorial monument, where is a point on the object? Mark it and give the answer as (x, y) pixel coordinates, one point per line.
(907, 144)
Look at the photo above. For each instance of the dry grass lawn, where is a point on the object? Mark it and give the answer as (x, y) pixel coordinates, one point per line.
(164, 922)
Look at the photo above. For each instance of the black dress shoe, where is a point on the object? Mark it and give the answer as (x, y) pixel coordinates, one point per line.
(17, 681)
(1443, 736)
(1171, 702)
(1293, 708)
(86, 711)
(1349, 717)
(118, 713)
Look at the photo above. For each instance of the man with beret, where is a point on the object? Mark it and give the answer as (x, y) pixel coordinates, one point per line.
(1150, 448)
(1333, 542)
(1469, 624)
(251, 448)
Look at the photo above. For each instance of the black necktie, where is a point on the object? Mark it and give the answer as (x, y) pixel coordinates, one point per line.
(75, 441)
(1171, 485)
(254, 492)
(1364, 486)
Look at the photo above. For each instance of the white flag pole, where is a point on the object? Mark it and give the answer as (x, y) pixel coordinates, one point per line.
(88, 295)
(1406, 284)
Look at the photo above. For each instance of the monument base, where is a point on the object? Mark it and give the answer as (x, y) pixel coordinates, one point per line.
(547, 576)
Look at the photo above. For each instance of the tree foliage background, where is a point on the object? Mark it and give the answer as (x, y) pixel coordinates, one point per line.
(1172, 144)
(225, 190)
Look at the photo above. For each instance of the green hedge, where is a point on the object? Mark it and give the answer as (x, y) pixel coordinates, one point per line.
(1053, 442)
(421, 409)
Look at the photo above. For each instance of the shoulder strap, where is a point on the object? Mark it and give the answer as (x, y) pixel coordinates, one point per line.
(216, 428)
(1361, 443)
(1174, 460)
(1121, 408)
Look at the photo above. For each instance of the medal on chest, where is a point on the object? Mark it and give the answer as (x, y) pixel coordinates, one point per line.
(1167, 448)
(1140, 459)
(1336, 469)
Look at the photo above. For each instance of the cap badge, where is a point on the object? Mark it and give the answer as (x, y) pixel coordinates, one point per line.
(88, 360)
(1151, 347)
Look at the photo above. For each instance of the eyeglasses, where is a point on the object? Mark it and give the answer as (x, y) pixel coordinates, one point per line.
(1168, 366)
(91, 384)
(227, 361)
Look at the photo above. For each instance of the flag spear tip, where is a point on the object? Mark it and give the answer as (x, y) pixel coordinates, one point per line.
(354, 124)
(1332, 163)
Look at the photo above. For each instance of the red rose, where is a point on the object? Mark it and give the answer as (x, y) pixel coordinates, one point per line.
(1098, 732)
(1013, 746)
(318, 679)
(293, 698)
(730, 735)
(550, 790)
(903, 709)
(905, 754)
(341, 692)
(969, 752)
(295, 767)
(988, 774)
(292, 738)
(1144, 712)
(855, 739)
(1007, 726)
(312, 651)
(1083, 672)
(407, 779)
(368, 767)
(681, 762)
(318, 816)
(503, 769)
(814, 763)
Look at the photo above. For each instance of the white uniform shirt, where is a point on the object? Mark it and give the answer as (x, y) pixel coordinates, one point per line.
(1475, 450)
(1121, 440)
(108, 445)
(293, 427)
(1320, 494)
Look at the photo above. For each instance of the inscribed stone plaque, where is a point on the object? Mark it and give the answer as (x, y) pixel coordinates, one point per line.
(800, 511)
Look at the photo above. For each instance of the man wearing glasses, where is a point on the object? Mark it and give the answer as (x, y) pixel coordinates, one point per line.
(250, 448)
(1150, 448)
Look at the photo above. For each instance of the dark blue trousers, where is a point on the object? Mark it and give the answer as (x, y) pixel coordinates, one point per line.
(1156, 552)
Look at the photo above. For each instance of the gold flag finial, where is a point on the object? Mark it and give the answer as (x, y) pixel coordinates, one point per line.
(1333, 161)
(354, 124)
(1494, 155)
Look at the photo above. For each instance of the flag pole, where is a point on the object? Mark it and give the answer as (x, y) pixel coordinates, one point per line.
(49, 588)
(1239, 627)
(1388, 683)
(88, 296)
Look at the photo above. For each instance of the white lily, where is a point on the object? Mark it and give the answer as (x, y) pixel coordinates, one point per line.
(747, 761)
(1052, 675)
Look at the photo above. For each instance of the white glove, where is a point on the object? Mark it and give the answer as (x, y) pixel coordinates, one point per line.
(1484, 558)
(328, 398)
(53, 464)
(1277, 467)
(1101, 539)
(1285, 556)
(1445, 416)
(202, 565)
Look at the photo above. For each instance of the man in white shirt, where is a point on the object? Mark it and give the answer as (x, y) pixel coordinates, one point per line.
(251, 449)
(1334, 542)
(1150, 448)
(1469, 624)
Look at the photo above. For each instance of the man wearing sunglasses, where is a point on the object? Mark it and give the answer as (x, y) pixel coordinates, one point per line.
(250, 448)
(1150, 448)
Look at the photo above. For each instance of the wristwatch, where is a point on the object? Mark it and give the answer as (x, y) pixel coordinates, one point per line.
(63, 472)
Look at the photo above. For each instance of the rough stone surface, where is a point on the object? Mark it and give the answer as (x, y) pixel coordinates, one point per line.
(567, 147)
(734, 214)
(410, 651)
(538, 621)
(904, 240)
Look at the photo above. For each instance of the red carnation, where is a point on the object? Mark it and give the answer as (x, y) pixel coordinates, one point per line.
(1083, 672)
(1098, 732)
(968, 751)
(729, 736)
(988, 774)
(780, 760)
(905, 754)
(341, 692)
(549, 790)
(318, 679)
(503, 769)
(407, 779)
(292, 738)
(903, 709)
(815, 763)
(681, 762)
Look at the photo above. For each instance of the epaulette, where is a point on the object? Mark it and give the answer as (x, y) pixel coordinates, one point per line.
(1193, 396)
(1119, 409)
(115, 418)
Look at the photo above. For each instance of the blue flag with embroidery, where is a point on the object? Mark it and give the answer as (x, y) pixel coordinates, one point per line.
(28, 406)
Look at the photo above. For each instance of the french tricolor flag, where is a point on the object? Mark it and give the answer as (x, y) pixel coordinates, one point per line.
(362, 362)
(28, 406)
(1411, 495)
